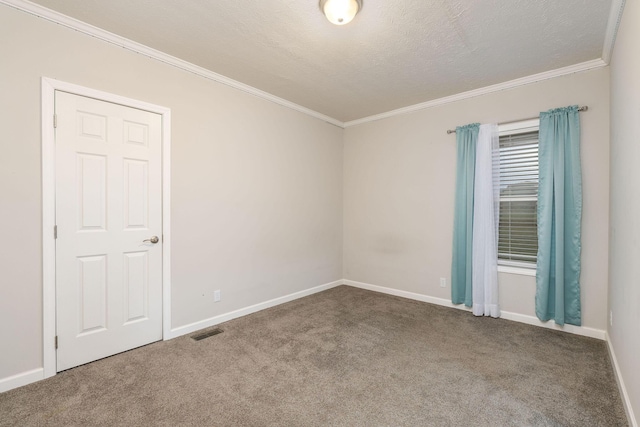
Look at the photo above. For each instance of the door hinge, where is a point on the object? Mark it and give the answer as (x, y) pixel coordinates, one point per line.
(55, 120)
(55, 231)
(56, 342)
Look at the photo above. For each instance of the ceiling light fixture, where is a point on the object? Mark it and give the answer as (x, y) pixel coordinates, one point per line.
(340, 12)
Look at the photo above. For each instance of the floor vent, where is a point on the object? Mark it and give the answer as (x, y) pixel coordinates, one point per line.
(204, 335)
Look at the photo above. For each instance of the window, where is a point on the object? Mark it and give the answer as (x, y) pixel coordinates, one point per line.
(517, 228)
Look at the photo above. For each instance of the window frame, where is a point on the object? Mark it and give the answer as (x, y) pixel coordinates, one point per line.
(515, 128)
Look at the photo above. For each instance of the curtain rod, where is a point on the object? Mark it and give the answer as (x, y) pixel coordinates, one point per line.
(583, 108)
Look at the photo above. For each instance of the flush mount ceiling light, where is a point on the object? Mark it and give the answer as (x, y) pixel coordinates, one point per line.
(340, 12)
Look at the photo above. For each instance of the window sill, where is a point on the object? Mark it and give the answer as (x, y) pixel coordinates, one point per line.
(517, 270)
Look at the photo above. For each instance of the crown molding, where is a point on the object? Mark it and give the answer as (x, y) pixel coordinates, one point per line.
(615, 15)
(583, 66)
(72, 23)
(83, 27)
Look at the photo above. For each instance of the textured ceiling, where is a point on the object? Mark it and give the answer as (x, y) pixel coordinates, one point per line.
(394, 54)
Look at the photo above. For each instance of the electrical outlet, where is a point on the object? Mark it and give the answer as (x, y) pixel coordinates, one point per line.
(216, 296)
(443, 282)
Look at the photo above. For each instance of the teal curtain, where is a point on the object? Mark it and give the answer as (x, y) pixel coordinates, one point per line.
(559, 217)
(466, 139)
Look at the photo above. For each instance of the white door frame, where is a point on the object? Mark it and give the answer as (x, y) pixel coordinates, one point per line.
(49, 86)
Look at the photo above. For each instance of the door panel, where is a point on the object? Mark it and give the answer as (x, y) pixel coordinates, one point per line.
(92, 192)
(136, 200)
(136, 286)
(108, 201)
(92, 287)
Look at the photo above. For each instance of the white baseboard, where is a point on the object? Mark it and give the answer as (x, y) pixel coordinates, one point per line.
(623, 390)
(192, 327)
(21, 379)
(522, 318)
(405, 294)
(532, 320)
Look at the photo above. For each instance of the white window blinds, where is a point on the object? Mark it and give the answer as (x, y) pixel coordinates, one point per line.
(517, 230)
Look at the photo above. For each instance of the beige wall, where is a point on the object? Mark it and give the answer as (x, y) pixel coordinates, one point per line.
(256, 188)
(399, 177)
(624, 276)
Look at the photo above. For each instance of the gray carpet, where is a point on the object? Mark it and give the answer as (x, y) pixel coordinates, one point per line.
(343, 357)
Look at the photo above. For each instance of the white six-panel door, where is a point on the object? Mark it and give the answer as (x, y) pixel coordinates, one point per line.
(108, 209)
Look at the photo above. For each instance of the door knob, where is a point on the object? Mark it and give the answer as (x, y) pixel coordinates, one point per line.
(153, 240)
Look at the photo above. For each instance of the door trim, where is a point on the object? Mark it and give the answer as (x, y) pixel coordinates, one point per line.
(49, 86)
